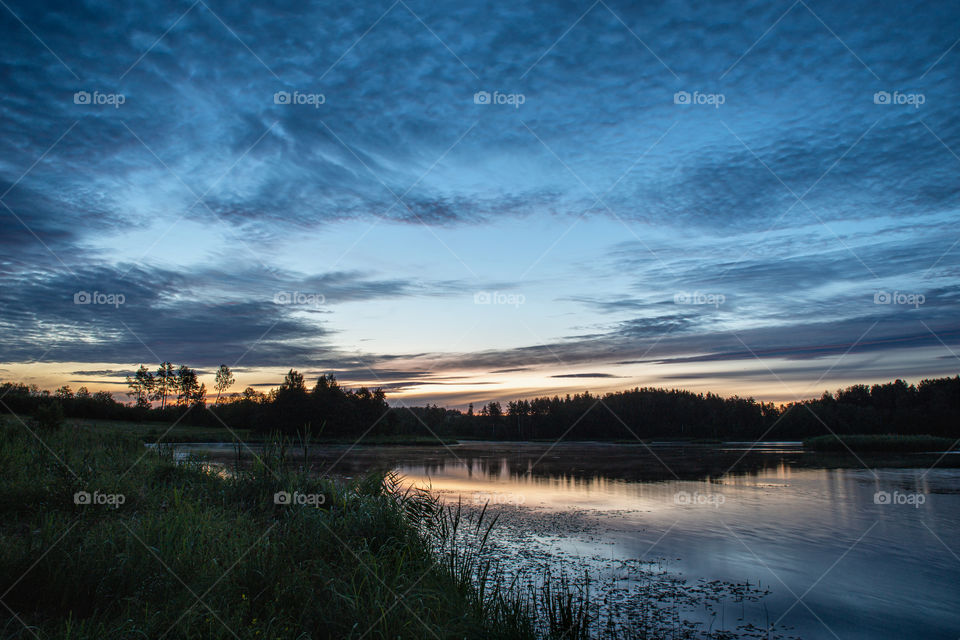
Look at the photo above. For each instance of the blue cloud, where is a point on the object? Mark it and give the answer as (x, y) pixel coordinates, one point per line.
(666, 198)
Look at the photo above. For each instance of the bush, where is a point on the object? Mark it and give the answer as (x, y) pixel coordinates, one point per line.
(48, 416)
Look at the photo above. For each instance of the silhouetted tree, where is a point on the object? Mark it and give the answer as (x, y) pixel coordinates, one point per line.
(224, 380)
(293, 383)
(187, 385)
(165, 383)
(141, 387)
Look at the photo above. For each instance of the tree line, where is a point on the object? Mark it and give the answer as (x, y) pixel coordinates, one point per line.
(326, 409)
(929, 407)
(175, 394)
(171, 392)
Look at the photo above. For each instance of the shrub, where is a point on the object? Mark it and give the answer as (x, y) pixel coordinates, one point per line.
(48, 416)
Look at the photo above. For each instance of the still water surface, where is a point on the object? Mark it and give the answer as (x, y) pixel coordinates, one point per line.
(839, 557)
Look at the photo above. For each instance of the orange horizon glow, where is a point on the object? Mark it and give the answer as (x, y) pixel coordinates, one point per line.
(456, 389)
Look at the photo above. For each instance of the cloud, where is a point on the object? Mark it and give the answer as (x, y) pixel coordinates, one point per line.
(586, 375)
(107, 373)
(187, 198)
(204, 318)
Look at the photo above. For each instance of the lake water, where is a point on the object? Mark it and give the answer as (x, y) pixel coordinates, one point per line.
(846, 547)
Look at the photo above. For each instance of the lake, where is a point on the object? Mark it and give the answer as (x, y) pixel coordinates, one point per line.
(846, 547)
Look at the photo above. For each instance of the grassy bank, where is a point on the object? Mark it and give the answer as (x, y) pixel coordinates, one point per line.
(175, 550)
(885, 443)
(161, 431)
(152, 432)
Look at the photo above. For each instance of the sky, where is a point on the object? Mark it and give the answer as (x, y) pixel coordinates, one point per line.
(461, 202)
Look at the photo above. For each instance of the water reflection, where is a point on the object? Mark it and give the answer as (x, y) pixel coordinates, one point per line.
(836, 557)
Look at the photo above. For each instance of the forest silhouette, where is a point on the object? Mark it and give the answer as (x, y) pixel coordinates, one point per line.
(173, 395)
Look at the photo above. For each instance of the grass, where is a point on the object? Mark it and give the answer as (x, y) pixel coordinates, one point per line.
(163, 432)
(193, 554)
(883, 442)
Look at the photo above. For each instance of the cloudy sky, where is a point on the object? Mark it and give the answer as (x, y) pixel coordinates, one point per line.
(478, 200)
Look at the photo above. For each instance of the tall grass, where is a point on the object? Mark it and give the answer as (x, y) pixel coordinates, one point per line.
(190, 554)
